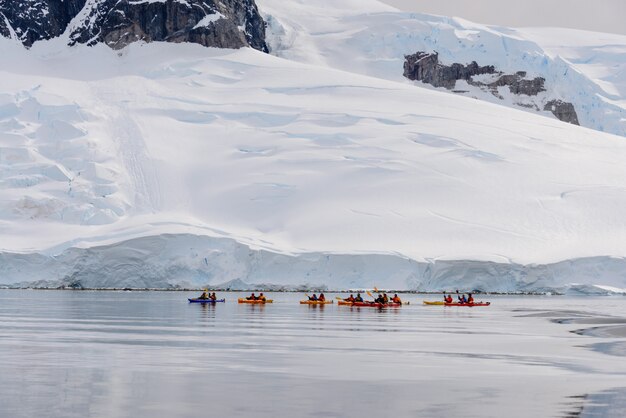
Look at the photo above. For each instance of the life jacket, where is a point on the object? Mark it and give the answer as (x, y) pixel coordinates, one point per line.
(396, 299)
(322, 298)
(350, 299)
(470, 300)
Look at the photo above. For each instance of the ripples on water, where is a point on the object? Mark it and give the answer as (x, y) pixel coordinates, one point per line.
(151, 354)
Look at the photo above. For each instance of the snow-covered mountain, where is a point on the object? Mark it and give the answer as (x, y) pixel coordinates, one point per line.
(584, 70)
(319, 164)
(117, 23)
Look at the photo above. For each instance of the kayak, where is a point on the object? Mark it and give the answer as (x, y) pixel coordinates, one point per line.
(469, 304)
(196, 300)
(439, 302)
(376, 304)
(370, 304)
(315, 302)
(260, 302)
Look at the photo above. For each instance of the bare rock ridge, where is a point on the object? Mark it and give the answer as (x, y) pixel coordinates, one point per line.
(425, 67)
(117, 23)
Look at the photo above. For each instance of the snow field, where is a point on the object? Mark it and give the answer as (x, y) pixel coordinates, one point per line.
(299, 156)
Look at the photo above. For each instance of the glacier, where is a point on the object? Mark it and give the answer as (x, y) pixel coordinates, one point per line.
(164, 165)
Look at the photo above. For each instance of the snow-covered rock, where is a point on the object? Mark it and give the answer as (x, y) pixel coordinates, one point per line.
(585, 69)
(117, 23)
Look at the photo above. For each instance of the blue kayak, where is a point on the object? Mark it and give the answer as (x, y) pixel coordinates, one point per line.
(205, 300)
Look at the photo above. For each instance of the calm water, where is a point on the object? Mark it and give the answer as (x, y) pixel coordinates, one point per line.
(151, 354)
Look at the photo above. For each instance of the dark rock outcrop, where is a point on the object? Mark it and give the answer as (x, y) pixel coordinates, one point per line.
(117, 23)
(518, 84)
(425, 67)
(33, 20)
(563, 111)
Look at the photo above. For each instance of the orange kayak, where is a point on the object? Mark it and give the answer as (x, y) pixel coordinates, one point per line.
(261, 302)
(315, 302)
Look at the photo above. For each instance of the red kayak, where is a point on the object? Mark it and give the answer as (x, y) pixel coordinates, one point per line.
(468, 304)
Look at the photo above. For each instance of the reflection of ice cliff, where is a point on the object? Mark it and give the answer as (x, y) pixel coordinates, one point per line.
(168, 261)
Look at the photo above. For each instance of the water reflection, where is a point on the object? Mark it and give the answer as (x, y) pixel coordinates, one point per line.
(146, 354)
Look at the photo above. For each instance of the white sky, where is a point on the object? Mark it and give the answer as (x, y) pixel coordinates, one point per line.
(596, 15)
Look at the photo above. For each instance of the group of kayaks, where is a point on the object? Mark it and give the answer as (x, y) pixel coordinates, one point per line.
(442, 303)
(360, 304)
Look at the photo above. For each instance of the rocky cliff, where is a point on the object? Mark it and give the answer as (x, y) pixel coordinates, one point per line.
(212, 23)
(425, 67)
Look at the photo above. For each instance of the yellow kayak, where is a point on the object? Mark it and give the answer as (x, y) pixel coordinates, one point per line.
(315, 302)
(242, 300)
(438, 302)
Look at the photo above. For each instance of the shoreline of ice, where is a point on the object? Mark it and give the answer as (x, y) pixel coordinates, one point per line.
(185, 261)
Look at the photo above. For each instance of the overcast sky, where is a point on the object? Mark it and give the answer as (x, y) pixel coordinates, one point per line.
(596, 15)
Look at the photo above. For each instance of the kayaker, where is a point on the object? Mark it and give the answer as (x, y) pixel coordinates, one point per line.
(385, 298)
(379, 299)
(462, 299)
(313, 298)
(213, 296)
(358, 298)
(350, 299)
(396, 299)
(470, 298)
(204, 295)
(449, 299)
(251, 297)
(261, 297)
(321, 298)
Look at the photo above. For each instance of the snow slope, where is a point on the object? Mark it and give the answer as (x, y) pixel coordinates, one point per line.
(583, 68)
(255, 157)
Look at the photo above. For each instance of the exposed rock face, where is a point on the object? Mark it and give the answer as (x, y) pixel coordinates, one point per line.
(214, 23)
(4, 29)
(33, 20)
(425, 67)
(518, 84)
(563, 110)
